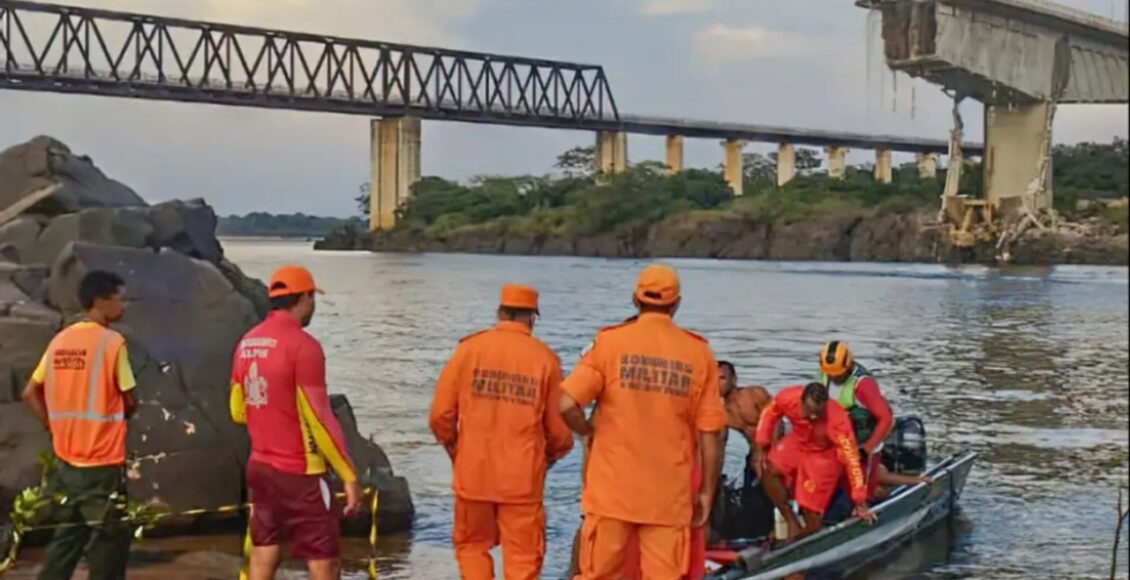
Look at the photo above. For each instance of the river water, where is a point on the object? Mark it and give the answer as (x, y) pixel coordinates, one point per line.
(1027, 367)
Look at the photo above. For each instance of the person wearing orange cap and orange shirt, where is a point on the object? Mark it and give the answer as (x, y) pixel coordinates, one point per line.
(495, 412)
(656, 387)
(279, 392)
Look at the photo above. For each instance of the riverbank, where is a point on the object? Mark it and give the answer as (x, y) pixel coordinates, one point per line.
(854, 236)
(648, 212)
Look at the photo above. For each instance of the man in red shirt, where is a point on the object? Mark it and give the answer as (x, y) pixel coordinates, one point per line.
(856, 390)
(279, 392)
(811, 459)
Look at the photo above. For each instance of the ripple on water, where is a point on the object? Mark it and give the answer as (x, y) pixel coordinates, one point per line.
(1026, 366)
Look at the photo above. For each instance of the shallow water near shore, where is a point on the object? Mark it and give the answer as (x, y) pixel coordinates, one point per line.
(1028, 367)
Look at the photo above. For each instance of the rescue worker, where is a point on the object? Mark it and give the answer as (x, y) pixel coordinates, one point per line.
(495, 413)
(82, 391)
(656, 386)
(279, 392)
(856, 390)
(811, 459)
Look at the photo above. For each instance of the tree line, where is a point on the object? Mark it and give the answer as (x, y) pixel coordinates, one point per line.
(574, 201)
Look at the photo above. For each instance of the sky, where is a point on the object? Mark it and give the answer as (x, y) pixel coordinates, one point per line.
(803, 63)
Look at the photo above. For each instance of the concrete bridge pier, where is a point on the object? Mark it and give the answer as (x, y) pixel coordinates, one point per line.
(786, 163)
(611, 152)
(884, 172)
(674, 153)
(1017, 136)
(927, 165)
(394, 166)
(732, 170)
(837, 162)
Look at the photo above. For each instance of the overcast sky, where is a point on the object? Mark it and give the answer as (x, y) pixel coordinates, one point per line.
(802, 63)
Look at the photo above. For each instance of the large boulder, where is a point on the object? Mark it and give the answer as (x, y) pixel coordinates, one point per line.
(188, 227)
(18, 238)
(42, 161)
(126, 227)
(187, 309)
(395, 509)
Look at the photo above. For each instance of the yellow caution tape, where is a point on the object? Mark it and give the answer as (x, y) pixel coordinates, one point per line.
(373, 535)
(245, 569)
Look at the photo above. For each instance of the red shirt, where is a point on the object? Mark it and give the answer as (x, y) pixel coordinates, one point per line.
(279, 391)
(867, 394)
(834, 431)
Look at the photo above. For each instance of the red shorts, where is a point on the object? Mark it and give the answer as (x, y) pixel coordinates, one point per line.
(812, 475)
(288, 507)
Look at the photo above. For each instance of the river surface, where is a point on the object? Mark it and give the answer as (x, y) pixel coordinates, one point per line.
(1027, 367)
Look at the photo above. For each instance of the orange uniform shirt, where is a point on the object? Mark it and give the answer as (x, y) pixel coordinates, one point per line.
(84, 372)
(833, 431)
(495, 406)
(657, 386)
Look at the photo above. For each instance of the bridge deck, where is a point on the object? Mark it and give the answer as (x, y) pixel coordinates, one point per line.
(64, 49)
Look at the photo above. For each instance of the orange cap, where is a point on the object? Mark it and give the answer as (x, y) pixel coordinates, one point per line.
(658, 286)
(290, 280)
(518, 296)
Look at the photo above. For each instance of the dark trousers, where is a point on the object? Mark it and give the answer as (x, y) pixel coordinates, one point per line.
(105, 545)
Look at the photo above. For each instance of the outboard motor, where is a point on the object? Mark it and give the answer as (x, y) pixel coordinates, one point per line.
(904, 451)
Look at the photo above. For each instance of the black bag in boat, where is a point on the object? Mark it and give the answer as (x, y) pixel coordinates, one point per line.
(740, 512)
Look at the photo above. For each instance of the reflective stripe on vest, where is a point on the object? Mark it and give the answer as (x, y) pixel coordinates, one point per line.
(862, 421)
(87, 414)
(845, 393)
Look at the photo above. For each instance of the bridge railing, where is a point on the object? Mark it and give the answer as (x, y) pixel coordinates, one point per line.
(67, 49)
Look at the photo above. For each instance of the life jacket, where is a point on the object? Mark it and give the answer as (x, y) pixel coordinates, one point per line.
(862, 421)
(85, 409)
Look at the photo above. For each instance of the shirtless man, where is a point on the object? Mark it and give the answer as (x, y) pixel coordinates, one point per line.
(743, 405)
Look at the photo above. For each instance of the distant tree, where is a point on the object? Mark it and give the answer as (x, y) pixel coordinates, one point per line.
(759, 172)
(577, 162)
(362, 199)
(808, 159)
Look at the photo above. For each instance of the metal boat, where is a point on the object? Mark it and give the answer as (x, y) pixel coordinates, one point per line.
(851, 545)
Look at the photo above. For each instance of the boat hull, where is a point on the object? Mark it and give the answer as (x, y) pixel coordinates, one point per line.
(853, 544)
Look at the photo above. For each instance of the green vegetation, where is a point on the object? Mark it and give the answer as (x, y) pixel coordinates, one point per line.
(577, 203)
(283, 225)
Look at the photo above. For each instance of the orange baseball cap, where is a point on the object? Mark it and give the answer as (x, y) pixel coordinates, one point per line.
(658, 286)
(290, 280)
(518, 296)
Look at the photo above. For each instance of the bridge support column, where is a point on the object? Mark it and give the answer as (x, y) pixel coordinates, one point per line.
(927, 165)
(611, 152)
(884, 173)
(733, 172)
(674, 153)
(837, 162)
(1016, 137)
(786, 163)
(394, 166)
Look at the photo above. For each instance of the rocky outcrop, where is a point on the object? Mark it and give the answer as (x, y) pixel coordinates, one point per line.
(42, 161)
(850, 237)
(187, 308)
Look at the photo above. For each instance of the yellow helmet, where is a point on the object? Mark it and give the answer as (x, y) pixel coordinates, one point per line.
(836, 359)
